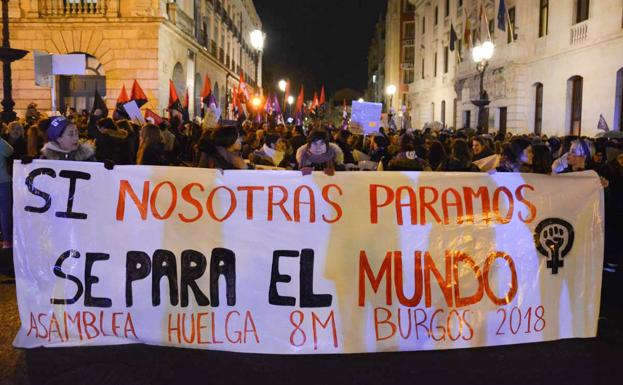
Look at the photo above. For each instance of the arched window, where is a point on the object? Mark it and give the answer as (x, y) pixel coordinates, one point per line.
(179, 80)
(216, 91)
(197, 101)
(538, 108)
(575, 85)
(77, 91)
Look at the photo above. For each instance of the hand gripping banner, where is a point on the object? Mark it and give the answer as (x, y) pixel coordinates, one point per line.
(280, 263)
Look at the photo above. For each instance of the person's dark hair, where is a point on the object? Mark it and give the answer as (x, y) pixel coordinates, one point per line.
(299, 130)
(461, 151)
(164, 125)
(436, 154)
(316, 135)
(106, 124)
(381, 141)
(271, 139)
(124, 124)
(542, 159)
(407, 143)
(342, 136)
(515, 148)
(225, 136)
(482, 140)
(44, 124)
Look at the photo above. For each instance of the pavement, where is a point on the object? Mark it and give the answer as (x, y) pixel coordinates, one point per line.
(577, 361)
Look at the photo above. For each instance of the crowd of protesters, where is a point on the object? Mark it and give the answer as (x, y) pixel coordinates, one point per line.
(316, 147)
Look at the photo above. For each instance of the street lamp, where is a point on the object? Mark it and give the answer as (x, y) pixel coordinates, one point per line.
(290, 102)
(7, 56)
(481, 54)
(360, 100)
(257, 42)
(390, 90)
(282, 85)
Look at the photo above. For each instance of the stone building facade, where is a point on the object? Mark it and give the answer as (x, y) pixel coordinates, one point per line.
(376, 64)
(151, 41)
(557, 74)
(399, 51)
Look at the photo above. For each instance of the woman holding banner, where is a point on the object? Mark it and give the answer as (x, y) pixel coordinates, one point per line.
(319, 154)
(64, 143)
(221, 149)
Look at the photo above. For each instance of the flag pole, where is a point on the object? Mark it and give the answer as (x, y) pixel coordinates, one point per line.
(484, 14)
(511, 28)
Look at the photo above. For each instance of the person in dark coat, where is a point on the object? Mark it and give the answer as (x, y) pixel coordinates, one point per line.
(460, 158)
(14, 135)
(221, 150)
(112, 143)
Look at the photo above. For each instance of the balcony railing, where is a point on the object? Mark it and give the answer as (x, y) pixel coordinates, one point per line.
(74, 7)
(579, 33)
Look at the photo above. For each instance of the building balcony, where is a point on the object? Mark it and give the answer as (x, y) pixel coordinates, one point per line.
(180, 19)
(81, 8)
(578, 33)
(407, 64)
(408, 41)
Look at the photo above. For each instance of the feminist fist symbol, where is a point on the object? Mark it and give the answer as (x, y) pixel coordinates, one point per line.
(553, 238)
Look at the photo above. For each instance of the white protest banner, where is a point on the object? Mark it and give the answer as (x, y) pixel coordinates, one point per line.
(367, 115)
(276, 262)
(134, 112)
(72, 64)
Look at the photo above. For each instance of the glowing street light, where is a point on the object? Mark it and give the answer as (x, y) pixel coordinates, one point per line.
(390, 90)
(290, 100)
(256, 102)
(257, 42)
(360, 100)
(481, 54)
(282, 85)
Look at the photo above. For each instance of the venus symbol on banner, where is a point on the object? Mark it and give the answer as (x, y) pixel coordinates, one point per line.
(554, 239)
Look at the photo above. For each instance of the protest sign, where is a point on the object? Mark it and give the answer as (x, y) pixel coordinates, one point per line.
(274, 262)
(72, 64)
(367, 115)
(134, 112)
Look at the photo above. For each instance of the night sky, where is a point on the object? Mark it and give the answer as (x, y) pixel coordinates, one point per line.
(318, 41)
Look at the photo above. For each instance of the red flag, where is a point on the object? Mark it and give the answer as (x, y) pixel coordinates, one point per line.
(242, 88)
(315, 101)
(123, 97)
(174, 100)
(207, 88)
(138, 95)
(149, 114)
(287, 94)
(322, 97)
(467, 34)
(186, 99)
(300, 100)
